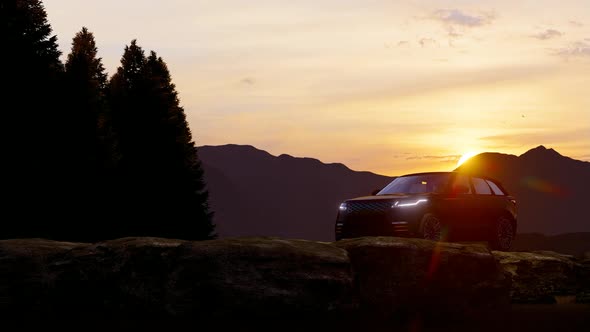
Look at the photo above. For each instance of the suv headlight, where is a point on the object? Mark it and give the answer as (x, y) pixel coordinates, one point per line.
(408, 203)
(343, 207)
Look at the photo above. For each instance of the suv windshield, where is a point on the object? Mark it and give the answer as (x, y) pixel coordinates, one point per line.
(417, 184)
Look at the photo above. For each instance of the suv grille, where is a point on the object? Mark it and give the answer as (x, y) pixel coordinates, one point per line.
(368, 206)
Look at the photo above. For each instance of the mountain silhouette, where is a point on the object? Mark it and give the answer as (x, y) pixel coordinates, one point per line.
(255, 193)
(552, 191)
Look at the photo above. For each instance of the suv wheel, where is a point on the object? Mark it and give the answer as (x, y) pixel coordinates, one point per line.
(502, 234)
(431, 228)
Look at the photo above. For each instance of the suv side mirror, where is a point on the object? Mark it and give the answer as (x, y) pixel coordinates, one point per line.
(374, 192)
(460, 189)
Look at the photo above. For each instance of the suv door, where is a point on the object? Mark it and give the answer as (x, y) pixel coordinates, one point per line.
(485, 203)
(500, 202)
(459, 207)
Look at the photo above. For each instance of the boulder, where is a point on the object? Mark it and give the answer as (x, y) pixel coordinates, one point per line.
(152, 277)
(401, 275)
(583, 276)
(24, 276)
(254, 277)
(540, 276)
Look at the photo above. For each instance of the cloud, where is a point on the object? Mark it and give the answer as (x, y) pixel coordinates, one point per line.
(447, 158)
(458, 22)
(576, 24)
(541, 136)
(457, 17)
(427, 42)
(547, 34)
(573, 50)
(425, 84)
(452, 33)
(248, 81)
(401, 43)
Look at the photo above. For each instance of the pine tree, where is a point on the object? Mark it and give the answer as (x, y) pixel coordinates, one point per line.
(32, 128)
(183, 169)
(164, 191)
(92, 156)
(127, 100)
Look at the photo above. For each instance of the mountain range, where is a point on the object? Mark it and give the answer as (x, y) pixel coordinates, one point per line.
(255, 193)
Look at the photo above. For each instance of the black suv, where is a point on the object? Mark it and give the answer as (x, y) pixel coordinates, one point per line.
(440, 206)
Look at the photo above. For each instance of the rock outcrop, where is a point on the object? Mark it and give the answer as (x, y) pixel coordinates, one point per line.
(271, 277)
(583, 276)
(151, 277)
(544, 276)
(260, 277)
(419, 276)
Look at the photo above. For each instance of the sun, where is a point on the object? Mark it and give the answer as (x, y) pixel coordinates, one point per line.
(465, 157)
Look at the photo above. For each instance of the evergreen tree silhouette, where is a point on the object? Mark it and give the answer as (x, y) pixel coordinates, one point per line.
(87, 159)
(184, 175)
(93, 156)
(127, 101)
(32, 124)
(164, 192)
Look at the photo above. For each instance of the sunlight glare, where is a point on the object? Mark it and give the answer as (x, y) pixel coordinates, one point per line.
(465, 157)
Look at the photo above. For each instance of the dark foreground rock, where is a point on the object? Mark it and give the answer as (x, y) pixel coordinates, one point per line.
(269, 278)
(150, 277)
(583, 275)
(545, 276)
(260, 277)
(419, 276)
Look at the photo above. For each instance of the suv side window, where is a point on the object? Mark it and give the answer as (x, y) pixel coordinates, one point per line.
(481, 187)
(461, 180)
(495, 188)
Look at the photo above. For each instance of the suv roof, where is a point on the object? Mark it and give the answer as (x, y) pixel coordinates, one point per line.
(455, 172)
(479, 175)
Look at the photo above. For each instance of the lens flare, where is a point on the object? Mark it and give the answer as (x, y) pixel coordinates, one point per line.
(465, 157)
(544, 186)
(435, 259)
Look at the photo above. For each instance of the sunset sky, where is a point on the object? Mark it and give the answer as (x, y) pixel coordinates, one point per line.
(387, 86)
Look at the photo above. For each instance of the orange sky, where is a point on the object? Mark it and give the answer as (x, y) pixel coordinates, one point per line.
(387, 86)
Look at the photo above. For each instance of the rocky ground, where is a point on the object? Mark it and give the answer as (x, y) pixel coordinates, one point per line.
(351, 284)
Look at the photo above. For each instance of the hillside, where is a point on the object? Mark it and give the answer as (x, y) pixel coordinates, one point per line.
(254, 193)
